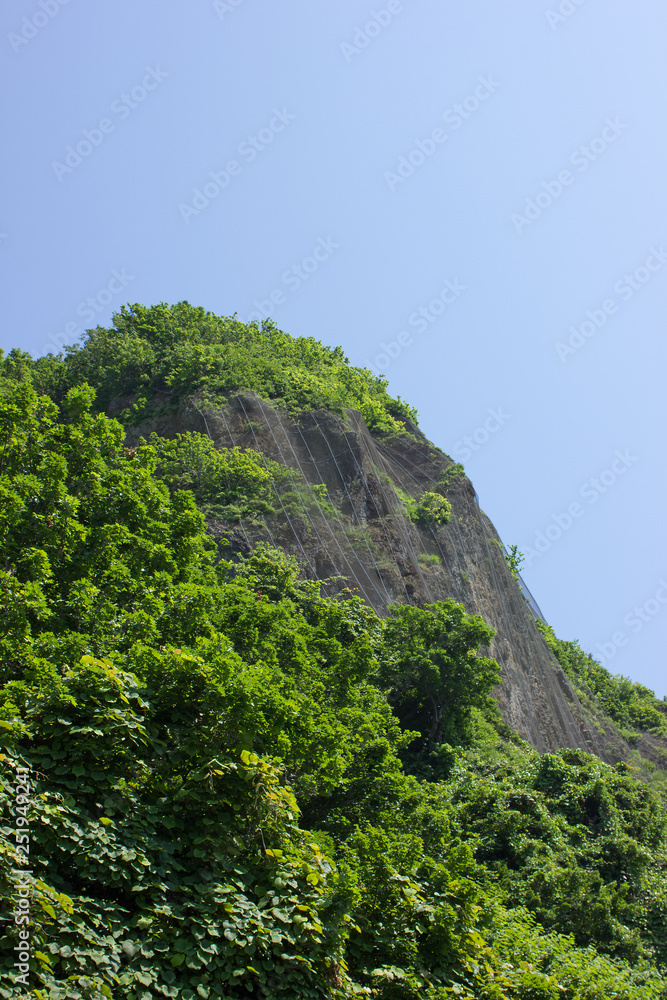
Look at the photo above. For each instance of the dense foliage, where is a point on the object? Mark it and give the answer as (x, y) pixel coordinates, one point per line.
(633, 706)
(237, 787)
(187, 350)
(428, 507)
(431, 670)
(232, 484)
(581, 844)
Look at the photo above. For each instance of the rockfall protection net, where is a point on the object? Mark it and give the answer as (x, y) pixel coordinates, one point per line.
(332, 533)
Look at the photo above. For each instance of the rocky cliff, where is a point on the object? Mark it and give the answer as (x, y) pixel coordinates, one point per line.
(362, 534)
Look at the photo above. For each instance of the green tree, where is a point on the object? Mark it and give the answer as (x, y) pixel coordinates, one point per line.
(431, 668)
(514, 560)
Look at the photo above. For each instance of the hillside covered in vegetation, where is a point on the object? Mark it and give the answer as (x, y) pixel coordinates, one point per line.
(187, 350)
(224, 777)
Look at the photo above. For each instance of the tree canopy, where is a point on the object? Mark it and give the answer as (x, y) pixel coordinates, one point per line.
(221, 783)
(186, 350)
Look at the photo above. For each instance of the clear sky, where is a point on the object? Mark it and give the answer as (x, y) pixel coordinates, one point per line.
(468, 197)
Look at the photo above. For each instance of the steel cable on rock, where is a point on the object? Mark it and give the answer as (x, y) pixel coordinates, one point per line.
(321, 510)
(381, 519)
(506, 610)
(259, 451)
(476, 593)
(443, 556)
(406, 535)
(388, 598)
(277, 492)
(535, 608)
(231, 438)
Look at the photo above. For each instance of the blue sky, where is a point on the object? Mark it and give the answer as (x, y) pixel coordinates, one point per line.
(469, 198)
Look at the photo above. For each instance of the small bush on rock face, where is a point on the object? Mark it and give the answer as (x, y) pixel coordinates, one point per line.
(450, 475)
(430, 508)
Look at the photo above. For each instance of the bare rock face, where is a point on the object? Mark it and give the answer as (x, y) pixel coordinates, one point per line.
(364, 536)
